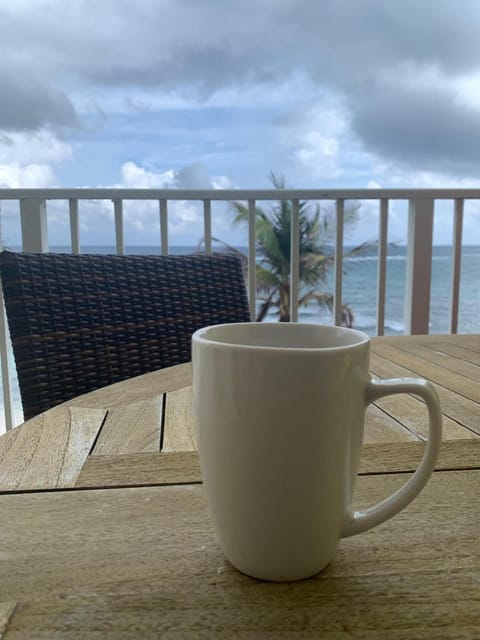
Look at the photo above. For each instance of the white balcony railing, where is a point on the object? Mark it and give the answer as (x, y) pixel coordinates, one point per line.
(33, 216)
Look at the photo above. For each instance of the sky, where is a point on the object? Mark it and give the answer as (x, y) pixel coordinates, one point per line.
(219, 93)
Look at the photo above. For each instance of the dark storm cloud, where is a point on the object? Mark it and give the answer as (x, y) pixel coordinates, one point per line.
(27, 103)
(355, 49)
(426, 127)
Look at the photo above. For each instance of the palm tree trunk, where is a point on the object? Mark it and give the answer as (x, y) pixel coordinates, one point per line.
(263, 310)
(284, 307)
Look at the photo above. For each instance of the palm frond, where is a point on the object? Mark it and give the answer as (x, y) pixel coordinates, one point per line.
(317, 225)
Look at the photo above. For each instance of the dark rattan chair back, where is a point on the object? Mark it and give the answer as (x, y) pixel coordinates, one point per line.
(81, 322)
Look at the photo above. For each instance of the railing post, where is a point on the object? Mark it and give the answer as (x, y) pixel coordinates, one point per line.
(119, 237)
(33, 216)
(74, 225)
(294, 260)
(382, 265)
(252, 259)
(5, 366)
(207, 225)
(337, 292)
(164, 227)
(457, 264)
(419, 266)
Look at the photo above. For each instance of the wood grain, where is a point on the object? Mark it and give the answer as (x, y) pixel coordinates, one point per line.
(145, 563)
(456, 407)
(406, 456)
(456, 350)
(433, 354)
(137, 389)
(412, 414)
(452, 380)
(381, 427)
(137, 469)
(48, 451)
(179, 467)
(179, 428)
(470, 340)
(6, 612)
(132, 428)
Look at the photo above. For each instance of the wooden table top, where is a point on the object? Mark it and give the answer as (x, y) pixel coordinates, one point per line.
(105, 532)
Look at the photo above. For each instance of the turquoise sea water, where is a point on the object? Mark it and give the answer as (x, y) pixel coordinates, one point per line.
(359, 291)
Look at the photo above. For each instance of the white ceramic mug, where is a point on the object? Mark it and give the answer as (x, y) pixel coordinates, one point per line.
(279, 411)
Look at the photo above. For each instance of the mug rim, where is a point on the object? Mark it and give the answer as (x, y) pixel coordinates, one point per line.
(201, 336)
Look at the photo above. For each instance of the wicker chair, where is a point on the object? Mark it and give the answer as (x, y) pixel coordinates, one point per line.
(81, 322)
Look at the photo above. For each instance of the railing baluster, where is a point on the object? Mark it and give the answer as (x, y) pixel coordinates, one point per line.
(382, 265)
(294, 260)
(119, 240)
(418, 275)
(5, 363)
(457, 263)
(207, 225)
(5, 353)
(337, 293)
(33, 215)
(164, 227)
(252, 262)
(74, 225)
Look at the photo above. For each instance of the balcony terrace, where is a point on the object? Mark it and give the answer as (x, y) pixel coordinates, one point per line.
(32, 205)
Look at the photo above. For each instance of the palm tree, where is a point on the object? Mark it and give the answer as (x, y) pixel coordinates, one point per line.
(273, 231)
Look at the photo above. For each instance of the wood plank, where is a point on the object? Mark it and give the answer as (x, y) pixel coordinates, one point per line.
(381, 428)
(183, 466)
(419, 367)
(469, 340)
(457, 351)
(378, 608)
(406, 456)
(411, 412)
(48, 451)
(179, 427)
(137, 469)
(138, 389)
(132, 428)
(145, 563)
(452, 363)
(6, 612)
(461, 410)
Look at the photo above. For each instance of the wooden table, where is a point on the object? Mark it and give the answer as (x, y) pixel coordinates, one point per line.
(104, 535)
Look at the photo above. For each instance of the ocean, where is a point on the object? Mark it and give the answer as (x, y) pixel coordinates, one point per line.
(360, 287)
(359, 292)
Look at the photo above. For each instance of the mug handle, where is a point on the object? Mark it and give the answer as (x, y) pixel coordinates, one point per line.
(359, 521)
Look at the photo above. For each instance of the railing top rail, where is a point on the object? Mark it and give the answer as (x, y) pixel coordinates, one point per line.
(236, 194)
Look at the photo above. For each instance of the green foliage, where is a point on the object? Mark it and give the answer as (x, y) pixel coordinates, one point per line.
(273, 233)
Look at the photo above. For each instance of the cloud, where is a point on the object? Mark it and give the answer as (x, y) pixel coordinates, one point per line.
(141, 217)
(30, 103)
(390, 175)
(194, 176)
(26, 159)
(16, 176)
(426, 127)
(42, 146)
(133, 176)
(317, 135)
(403, 72)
